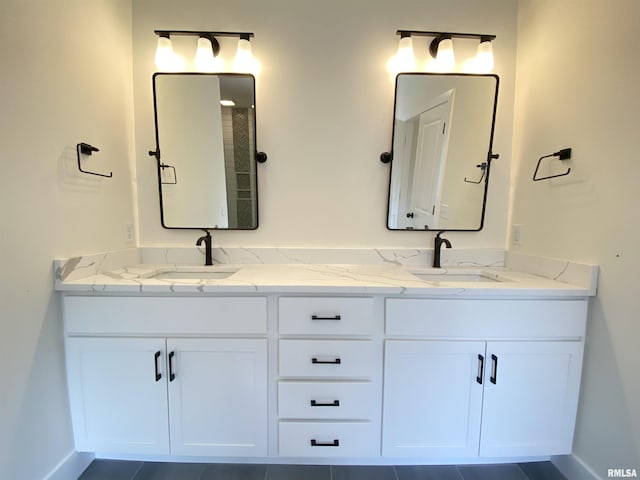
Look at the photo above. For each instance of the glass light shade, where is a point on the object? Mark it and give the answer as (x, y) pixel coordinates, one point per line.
(244, 61)
(484, 57)
(445, 58)
(405, 59)
(164, 54)
(204, 55)
(206, 61)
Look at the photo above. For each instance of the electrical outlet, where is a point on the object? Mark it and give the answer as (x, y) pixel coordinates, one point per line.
(128, 232)
(516, 234)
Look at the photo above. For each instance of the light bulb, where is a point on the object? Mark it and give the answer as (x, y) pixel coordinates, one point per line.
(206, 60)
(445, 57)
(164, 53)
(204, 55)
(244, 61)
(405, 59)
(484, 57)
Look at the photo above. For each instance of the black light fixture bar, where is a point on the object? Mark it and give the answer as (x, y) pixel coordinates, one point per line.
(200, 33)
(421, 33)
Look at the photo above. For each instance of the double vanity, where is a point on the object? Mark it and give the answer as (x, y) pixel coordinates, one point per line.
(379, 362)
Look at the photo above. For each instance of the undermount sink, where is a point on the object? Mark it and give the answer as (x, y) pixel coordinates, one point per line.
(191, 274)
(435, 275)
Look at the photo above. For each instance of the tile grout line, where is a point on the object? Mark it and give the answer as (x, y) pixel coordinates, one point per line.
(137, 471)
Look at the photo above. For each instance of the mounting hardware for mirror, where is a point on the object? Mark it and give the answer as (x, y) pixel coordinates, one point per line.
(563, 154)
(86, 149)
(386, 157)
(261, 157)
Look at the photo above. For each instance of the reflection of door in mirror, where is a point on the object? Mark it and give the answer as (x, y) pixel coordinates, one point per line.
(430, 162)
(443, 129)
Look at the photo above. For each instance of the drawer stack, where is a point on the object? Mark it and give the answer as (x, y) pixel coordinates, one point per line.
(328, 388)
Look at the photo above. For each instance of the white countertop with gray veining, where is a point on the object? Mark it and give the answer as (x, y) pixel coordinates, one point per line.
(550, 278)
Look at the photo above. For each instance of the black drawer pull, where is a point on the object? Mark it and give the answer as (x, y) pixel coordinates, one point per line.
(172, 375)
(155, 361)
(494, 369)
(315, 361)
(480, 369)
(315, 443)
(335, 317)
(335, 403)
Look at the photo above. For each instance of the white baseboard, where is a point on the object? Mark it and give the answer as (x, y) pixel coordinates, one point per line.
(574, 468)
(71, 467)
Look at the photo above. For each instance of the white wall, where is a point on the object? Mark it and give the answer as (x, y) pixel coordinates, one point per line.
(324, 113)
(66, 78)
(577, 86)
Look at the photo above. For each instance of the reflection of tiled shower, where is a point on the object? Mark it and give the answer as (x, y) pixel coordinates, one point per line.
(240, 169)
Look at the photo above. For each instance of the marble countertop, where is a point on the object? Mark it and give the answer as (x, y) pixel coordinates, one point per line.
(386, 279)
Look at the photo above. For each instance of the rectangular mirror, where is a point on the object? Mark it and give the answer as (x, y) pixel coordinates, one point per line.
(206, 150)
(441, 151)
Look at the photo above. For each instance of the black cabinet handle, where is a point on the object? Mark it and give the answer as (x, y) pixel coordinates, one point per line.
(172, 376)
(315, 443)
(335, 317)
(155, 364)
(315, 361)
(480, 369)
(335, 403)
(494, 369)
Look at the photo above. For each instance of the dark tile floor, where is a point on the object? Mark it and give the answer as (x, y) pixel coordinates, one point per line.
(121, 470)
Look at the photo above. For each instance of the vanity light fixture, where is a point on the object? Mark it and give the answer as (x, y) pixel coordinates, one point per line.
(207, 50)
(164, 52)
(484, 56)
(405, 59)
(441, 48)
(244, 61)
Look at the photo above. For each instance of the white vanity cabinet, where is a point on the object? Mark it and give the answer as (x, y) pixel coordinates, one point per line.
(138, 386)
(329, 368)
(510, 388)
(376, 378)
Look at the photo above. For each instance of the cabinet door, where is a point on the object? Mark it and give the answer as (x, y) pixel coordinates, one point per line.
(432, 398)
(218, 396)
(118, 394)
(530, 398)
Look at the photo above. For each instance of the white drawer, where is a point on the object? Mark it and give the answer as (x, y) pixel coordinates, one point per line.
(328, 439)
(328, 400)
(326, 315)
(435, 318)
(165, 315)
(328, 358)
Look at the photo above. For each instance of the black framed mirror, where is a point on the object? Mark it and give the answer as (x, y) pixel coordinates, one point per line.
(206, 150)
(441, 153)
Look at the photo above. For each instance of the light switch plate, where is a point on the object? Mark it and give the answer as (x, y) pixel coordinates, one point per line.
(516, 234)
(128, 232)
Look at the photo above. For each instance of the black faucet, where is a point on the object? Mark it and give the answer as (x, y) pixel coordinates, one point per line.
(208, 257)
(437, 247)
